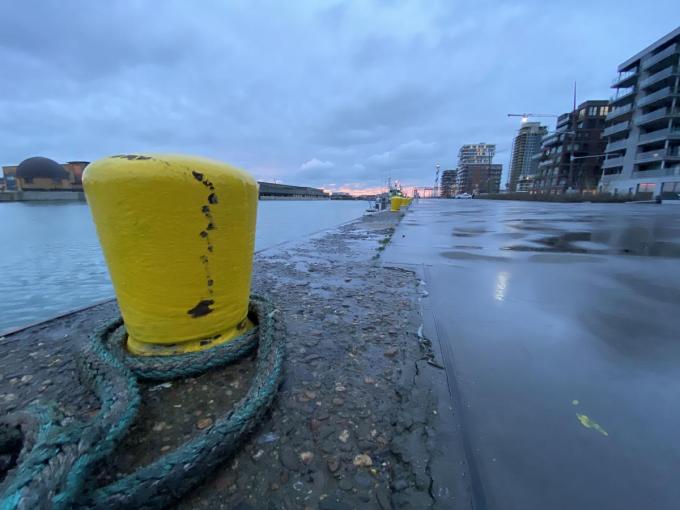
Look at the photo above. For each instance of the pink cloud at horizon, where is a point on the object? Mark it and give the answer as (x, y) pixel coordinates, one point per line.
(407, 190)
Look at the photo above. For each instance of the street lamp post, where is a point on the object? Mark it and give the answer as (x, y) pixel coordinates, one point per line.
(435, 190)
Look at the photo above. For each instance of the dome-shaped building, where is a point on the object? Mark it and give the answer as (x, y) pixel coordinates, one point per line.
(42, 174)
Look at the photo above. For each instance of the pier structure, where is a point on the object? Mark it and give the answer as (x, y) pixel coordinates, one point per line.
(274, 191)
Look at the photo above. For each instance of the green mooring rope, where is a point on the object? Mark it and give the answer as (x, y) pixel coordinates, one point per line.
(59, 457)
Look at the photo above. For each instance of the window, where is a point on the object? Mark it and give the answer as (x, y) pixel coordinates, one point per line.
(646, 187)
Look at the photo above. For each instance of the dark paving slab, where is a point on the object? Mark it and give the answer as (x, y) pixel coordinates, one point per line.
(559, 332)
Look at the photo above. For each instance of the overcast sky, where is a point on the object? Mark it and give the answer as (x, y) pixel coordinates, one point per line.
(330, 94)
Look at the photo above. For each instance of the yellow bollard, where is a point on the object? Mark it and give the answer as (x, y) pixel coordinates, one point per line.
(178, 235)
(395, 203)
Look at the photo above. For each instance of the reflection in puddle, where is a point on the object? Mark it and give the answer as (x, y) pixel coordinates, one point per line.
(502, 279)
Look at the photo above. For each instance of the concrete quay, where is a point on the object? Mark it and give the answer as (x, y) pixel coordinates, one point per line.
(41, 196)
(353, 424)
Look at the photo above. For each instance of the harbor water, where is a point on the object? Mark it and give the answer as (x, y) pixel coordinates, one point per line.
(50, 260)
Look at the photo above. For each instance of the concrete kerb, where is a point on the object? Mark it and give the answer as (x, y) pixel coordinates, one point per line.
(454, 478)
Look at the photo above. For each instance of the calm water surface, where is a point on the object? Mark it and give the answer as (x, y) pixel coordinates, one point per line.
(50, 260)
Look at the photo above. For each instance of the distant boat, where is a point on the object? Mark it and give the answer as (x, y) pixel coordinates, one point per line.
(464, 195)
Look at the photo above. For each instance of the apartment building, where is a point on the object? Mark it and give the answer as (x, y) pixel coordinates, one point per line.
(523, 166)
(476, 172)
(448, 186)
(475, 178)
(476, 153)
(570, 158)
(643, 128)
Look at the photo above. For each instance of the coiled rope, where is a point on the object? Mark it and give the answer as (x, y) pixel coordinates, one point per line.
(58, 457)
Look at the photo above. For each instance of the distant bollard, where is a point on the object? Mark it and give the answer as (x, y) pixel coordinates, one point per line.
(395, 203)
(178, 235)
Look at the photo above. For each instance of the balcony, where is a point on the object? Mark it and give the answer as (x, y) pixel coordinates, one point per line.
(623, 95)
(616, 128)
(659, 172)
(656, 77)
(621, 110)
(659, 134)
(655, 59)
(655, 96)
(645, 157)
(617, 146)
(625, 79)
(657, 155)
(612, 162)
(659, 114)
(605, 180)
(548, 139)
(548, 162)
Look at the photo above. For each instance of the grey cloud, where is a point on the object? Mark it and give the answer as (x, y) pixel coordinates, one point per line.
(372, 87)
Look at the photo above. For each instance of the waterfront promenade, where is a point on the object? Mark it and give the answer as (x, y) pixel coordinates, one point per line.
(559, 333)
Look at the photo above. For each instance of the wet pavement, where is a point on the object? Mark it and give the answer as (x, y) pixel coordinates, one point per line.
(558, 325)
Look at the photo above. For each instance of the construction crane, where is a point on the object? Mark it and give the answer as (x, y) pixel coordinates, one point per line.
(525, 116)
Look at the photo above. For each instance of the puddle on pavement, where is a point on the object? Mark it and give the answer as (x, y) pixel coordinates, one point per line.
(563, 243)
(512, 235)
(544, 219)
(629, 241)
(535, 227)
(463, 255)
(643, 287)
(467, 211)
(468, 232)
(561, 258)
